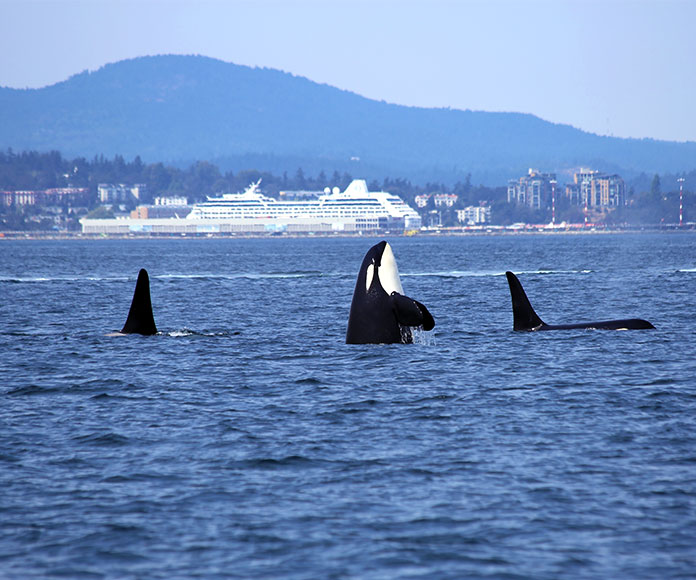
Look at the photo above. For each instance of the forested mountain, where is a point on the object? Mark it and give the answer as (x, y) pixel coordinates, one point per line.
(178, 109)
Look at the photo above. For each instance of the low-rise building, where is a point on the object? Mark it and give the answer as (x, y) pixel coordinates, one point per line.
(422, 200)
(66, 196)
(56, 196)
(439, 199)
(474, 215)
(445, 199)
(7, 198)
(172, 201)
(20, 197)
(119, 192)
(160, 211)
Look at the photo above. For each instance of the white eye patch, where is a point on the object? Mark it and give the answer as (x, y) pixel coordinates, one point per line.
(369, 274)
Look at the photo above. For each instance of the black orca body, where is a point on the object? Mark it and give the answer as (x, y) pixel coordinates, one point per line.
(140, 319)
(525, 318)
(379, 312)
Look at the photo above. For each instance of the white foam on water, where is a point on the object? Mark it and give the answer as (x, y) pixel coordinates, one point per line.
(486, 273)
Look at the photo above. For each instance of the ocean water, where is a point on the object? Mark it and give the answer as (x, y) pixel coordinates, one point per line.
(247, 440)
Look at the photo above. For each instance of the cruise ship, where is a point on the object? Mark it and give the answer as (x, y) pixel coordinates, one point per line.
(354, 210)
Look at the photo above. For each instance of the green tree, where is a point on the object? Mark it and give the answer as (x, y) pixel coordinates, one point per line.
(655, 188)
(101, 213)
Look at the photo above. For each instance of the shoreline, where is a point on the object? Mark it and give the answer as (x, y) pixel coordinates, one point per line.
(35, 236)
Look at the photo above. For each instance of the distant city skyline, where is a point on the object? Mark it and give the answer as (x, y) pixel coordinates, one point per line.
(612, 67)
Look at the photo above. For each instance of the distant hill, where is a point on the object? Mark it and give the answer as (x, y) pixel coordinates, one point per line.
(178, 109)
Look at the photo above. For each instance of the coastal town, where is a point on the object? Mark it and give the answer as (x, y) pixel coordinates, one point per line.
(585, 199)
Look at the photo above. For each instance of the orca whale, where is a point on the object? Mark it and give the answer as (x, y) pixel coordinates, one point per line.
(526, 319)
(379, 312)
(140, 319)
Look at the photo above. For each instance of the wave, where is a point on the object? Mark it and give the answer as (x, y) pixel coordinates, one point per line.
(103, 439)
(284, 275)
(125, 278)
(249, 275)
(184, 332)
(38, 279)
(485, 273)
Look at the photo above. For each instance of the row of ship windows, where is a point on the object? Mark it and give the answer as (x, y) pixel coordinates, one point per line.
(332, 207)
(301, 205)
(211, 217)
(285, 214)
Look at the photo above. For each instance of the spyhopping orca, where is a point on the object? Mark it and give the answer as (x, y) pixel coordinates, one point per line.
(379, 312)
(140, 319)
(525, 318)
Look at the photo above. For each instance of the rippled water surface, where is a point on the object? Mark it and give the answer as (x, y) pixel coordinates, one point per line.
(246, 440)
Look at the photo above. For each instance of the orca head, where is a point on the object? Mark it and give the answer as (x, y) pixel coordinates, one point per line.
(380, 312)
(379, 271)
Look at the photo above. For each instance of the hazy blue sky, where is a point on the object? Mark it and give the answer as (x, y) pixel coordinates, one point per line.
(616, 67)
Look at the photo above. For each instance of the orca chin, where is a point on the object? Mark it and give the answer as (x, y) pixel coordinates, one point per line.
(526, 319)
(380, 313)
(140, 319)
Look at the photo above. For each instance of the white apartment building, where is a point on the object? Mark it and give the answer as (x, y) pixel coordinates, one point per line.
(474, 215)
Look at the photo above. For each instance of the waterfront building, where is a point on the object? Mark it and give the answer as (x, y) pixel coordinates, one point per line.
(422, 200)
(580, 191)
(46, 197)
(119, 192)
(66, 196)
(171, 201)
(572, 192)
(474, 215)
(145, 212)
(445, 199)
(23, 197)
(439, 199)
(594, 189)
(163, 207)
(534, 190)
(609, 191)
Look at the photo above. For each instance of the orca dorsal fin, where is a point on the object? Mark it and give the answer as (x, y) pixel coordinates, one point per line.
(524, 316)
(140, 319)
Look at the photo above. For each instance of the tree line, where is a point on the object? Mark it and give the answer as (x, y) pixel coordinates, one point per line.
(32, 170)
(649, 200)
